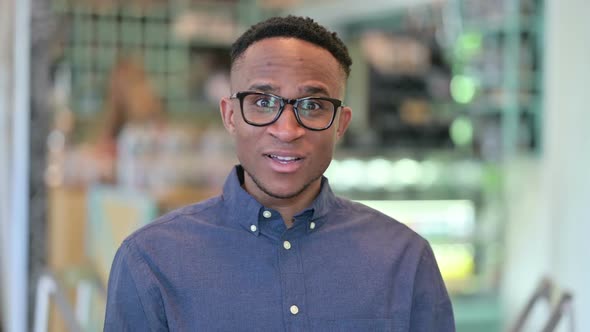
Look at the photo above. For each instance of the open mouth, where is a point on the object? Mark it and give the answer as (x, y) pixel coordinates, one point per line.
(284, 159)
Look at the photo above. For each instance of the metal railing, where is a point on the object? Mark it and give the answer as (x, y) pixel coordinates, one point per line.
(75, 317)
(546, 292)
(564, 307)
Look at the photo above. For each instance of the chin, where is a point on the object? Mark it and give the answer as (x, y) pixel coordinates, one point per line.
(280, 186)
(285, 190)
(281, 193)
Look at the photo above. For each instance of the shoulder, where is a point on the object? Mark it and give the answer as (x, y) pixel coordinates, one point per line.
(369, 216)
(376, 224)
(180, 221)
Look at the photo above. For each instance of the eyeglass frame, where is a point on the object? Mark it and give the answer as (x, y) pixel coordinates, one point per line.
(240, 95)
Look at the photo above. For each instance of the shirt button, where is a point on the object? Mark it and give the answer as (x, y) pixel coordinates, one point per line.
(267, 214)
(294, 309)
(287, 245)
(253, 228)
(312, 225)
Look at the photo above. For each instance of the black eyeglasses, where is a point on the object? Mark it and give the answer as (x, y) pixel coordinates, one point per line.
(262, 109)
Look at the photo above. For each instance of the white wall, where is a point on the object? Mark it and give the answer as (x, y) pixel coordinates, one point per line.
(549, 214)
(567, 162)
(15, 26)
(6, 36)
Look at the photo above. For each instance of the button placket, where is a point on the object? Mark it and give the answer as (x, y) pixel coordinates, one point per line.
(292, 277)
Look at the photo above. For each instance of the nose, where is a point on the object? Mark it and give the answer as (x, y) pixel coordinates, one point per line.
(286, 128)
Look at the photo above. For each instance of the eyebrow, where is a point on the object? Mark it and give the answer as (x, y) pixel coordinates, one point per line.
(262, 88)
(315, 90)
(307, 90)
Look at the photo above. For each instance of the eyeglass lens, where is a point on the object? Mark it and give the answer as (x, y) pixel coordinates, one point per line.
(262, 109)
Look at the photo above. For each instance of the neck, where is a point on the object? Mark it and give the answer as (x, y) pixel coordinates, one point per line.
(287, 207)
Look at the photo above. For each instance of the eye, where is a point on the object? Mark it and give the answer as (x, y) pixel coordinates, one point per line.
(310, 105)
(266, 102)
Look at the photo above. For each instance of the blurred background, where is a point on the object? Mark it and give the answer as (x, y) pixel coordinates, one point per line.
(468, 125)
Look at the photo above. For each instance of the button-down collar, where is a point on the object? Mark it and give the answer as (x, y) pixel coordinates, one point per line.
(246, 211)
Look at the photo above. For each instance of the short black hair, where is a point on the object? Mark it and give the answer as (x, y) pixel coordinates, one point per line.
(303, 28)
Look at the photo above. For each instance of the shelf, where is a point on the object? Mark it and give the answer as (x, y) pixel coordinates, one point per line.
(346, 12)
(505, 59)
(526, 24)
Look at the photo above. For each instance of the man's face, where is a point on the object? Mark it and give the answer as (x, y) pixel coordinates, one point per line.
(284, 160)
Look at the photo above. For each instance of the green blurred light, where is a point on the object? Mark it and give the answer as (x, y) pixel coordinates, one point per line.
(463, 89)
(462, 131)
(468, 45)
(471, 41)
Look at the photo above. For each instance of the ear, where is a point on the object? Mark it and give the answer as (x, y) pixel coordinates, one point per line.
(343, 121)
(226, 108)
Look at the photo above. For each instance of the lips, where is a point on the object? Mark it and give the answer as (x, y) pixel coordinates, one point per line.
(283, 159)
(284, 162)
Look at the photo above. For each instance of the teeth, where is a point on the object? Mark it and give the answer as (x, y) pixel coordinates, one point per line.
(280, 158)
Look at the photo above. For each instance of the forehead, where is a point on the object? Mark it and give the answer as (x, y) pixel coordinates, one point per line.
(281, 61)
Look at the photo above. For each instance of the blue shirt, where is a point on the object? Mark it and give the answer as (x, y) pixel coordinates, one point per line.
(230, 264)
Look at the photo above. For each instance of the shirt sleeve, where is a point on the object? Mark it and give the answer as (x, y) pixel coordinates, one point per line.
(133, 299)
(431, 307)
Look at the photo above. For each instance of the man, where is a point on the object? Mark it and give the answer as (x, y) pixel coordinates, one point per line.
(277, 251)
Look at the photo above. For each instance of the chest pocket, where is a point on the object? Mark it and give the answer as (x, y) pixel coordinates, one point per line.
(352, 325)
